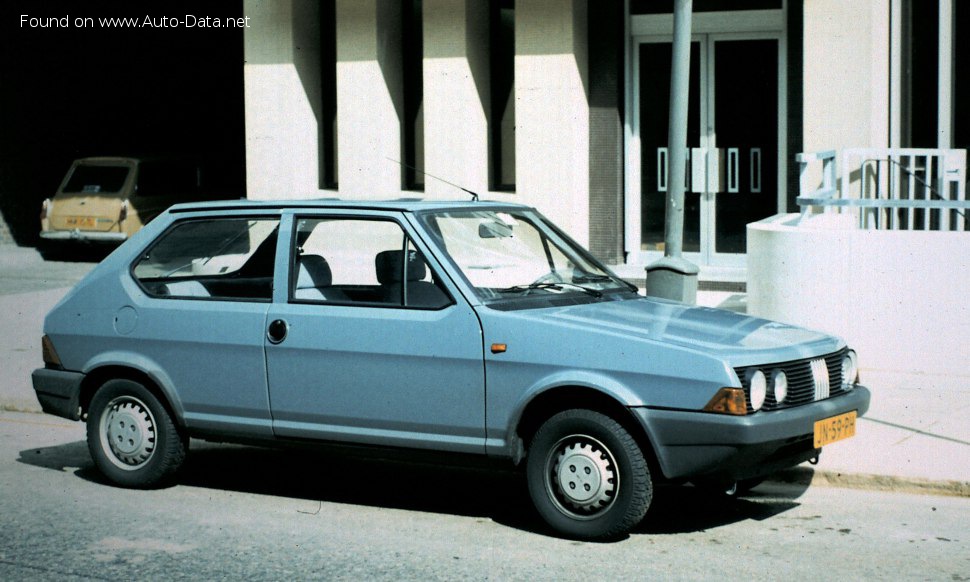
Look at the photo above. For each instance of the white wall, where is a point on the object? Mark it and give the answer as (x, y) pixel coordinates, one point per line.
(552, 111)
(898, 297)
(456, 96)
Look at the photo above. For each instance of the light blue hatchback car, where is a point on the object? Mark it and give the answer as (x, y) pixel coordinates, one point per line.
(468, 327)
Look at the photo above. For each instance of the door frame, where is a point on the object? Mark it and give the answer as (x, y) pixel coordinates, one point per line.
(707, 28)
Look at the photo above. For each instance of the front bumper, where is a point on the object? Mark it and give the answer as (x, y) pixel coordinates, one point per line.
(699, 444)
(59, 392)
(84, 235)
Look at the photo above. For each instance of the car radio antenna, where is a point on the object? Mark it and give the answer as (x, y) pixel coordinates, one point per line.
(474, 195)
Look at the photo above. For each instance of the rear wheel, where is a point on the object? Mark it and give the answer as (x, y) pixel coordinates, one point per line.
(131, 436)
(587, 476)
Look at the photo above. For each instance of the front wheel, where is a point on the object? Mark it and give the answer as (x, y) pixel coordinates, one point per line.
(131, 436)
(587, 476)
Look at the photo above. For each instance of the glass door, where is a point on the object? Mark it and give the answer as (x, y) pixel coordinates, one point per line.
(732, 139)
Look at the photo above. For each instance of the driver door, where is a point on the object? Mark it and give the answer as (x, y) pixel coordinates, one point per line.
(372, 347)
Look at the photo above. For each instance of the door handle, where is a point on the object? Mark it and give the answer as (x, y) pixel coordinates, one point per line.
(733, 177)
(277, 331)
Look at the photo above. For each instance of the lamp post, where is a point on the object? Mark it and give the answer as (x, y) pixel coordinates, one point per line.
(673, 277)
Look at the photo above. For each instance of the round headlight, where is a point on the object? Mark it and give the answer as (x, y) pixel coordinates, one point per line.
(758, 388)
(850, 369)
(779, 384)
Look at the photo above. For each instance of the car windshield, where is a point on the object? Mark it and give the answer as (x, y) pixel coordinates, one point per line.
(514, 253)
(96, 179)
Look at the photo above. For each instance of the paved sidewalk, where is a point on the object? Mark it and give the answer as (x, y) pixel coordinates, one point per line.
(916, 436)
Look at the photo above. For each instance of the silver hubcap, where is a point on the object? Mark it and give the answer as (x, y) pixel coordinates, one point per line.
(584, 478)
(128, 432)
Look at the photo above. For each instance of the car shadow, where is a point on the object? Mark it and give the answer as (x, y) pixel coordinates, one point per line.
(386, 479)
(689, 509)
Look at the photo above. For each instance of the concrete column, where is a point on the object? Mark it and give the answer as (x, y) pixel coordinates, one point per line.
(846, 74)
(456, 96)
(370, 98)
(282, 84)
(552, 111)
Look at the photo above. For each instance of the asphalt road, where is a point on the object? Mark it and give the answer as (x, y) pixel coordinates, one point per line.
(248, 513)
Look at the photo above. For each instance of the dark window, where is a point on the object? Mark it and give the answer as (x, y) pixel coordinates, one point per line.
(412, 130)
(97, 179)
(328, 63)
(502, 124)
(920, 82)
(167, 179)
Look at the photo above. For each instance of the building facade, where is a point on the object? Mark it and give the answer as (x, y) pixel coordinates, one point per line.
(562, 104)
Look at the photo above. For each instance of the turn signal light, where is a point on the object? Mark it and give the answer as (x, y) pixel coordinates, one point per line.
(51, 358)
(728, 401)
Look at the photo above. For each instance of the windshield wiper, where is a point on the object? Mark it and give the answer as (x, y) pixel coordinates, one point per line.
(552, 286)
(592, 278)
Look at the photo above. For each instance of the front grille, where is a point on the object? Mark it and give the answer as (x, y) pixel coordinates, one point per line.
(804, 386)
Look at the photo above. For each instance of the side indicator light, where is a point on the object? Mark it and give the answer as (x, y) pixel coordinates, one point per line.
(499, 348)
(728, 401)
(50, 354)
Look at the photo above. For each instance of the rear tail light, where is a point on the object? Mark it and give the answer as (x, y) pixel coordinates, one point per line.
(124, 211)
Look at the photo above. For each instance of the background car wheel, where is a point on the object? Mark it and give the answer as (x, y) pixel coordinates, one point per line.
(131, 436)
(587, 476)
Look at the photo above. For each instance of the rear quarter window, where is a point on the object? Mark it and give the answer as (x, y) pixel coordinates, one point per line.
(212, 259)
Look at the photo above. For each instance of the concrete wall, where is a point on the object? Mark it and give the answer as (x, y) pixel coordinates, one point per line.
(456, 95)
(283, 96)
(898, 297)
(370, 98)
(551, 99)
(846, 74)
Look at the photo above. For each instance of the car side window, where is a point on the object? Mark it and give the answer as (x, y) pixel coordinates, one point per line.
(228, 258)
(360, 261)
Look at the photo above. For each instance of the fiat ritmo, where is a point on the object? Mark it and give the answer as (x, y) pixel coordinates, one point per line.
(463, 327)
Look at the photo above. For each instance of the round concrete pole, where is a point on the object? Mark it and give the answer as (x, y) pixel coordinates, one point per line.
(673, 277)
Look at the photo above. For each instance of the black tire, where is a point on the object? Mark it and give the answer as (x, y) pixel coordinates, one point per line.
(132, 437)
(587, 476)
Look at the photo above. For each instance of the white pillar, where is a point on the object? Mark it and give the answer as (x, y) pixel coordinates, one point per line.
(282, 86)
(552, 111)
(456, 96)
(370, 102)
(846, 74)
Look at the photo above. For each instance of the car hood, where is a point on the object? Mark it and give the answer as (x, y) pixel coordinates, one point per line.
(740, 339)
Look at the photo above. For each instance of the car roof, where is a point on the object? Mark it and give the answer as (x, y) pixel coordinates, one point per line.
(399, 204)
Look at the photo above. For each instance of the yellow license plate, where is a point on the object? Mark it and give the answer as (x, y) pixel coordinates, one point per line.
(834, 429)
(81, 221)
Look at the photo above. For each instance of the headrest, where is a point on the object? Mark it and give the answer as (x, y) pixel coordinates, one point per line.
(390, 268)
(314, 272)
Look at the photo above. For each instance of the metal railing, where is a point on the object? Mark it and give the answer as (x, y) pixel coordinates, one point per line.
(888, 188)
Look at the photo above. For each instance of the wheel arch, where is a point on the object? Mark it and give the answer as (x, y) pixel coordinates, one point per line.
(555, 400)
(97, 377)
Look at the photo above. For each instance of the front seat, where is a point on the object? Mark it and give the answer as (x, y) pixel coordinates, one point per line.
(391, 272)
(313, 280)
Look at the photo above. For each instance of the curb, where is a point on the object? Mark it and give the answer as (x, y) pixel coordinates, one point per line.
(819, 478)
